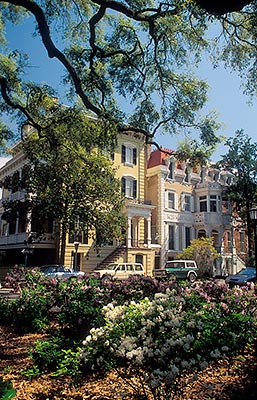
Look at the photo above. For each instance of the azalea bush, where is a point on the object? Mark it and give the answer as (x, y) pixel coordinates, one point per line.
(14, 277)
(30, 312)
(154, 332)
(180, 331)
(81, 301)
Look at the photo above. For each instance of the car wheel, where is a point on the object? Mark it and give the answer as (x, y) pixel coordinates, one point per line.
(191, 277)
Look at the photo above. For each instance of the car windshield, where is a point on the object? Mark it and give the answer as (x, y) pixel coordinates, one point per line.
(247, 271)
(48, 268)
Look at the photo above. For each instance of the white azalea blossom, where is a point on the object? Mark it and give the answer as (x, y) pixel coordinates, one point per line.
(160, 338)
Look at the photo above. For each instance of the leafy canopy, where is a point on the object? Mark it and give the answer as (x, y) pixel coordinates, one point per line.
(70, 176)
(131, 62)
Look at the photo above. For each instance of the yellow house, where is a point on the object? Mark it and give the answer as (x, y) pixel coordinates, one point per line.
(130, 162)
(167, 205)
(19, 242)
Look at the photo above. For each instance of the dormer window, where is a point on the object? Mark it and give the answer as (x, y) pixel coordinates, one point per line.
(216, 177)
(202, 175)
(128, 154)
(171, 170)
(187, 175)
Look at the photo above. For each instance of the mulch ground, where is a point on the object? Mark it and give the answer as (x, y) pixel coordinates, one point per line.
(227, 380)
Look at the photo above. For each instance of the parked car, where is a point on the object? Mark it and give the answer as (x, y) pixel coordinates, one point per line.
(60, 272)
(120, 270)
(181, 269)
(242, 278)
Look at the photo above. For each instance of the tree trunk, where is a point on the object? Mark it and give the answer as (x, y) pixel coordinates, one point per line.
(219, 8)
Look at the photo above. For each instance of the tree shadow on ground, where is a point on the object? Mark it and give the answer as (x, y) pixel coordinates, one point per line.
(247, 385)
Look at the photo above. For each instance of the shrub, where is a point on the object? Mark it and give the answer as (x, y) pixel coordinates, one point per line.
(161, 339)
(57, 355)
(137, 288)
(31, 311)
(5, 316)
(14, 277)
(80, 303)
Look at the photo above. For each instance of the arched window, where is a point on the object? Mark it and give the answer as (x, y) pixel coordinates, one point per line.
(201, 233)
(215, 235)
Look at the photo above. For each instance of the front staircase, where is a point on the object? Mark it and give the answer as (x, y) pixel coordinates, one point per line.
(113, 257)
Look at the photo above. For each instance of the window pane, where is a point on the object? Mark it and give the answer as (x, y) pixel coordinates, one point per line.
(129, 155)
(187, 203)
(213, 203)
(171, 200)
(187, 234)
(203, 203)
(129, 187)
(171, 238)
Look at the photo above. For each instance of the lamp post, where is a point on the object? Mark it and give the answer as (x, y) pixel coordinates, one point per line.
(76, 245)
(253, 216)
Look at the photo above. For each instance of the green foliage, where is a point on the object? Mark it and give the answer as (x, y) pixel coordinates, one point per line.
(80, 307)
(142, 53)
(203, 252)
(175, 330)
(15, 277)
(70, 173)
(240, 159)
(182, 331)
(30, 312)
(5, 316)
(7, 392)
(48, 355)
(196, 152)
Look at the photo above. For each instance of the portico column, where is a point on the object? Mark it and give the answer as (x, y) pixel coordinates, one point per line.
(129, 232)
(149, 240)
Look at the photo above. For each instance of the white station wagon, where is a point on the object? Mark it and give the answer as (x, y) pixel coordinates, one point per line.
(120, 270)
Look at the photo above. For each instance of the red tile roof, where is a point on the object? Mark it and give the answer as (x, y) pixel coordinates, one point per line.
(157, 157)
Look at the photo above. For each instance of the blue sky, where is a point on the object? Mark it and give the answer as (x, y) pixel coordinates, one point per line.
(225, 95)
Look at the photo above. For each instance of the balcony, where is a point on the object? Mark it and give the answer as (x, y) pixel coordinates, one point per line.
(20, 239)
(208, 218)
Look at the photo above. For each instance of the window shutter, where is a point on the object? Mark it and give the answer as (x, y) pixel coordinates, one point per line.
(123, 153)
(134, 189)
(123, 185)
(135, 156)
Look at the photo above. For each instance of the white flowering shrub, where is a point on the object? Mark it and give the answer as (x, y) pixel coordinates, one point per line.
(181, 331)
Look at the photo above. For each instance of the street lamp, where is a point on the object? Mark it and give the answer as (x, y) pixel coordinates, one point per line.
(76, 245)
(253, 216)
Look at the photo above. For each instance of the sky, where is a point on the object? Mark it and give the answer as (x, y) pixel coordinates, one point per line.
(225, 95)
